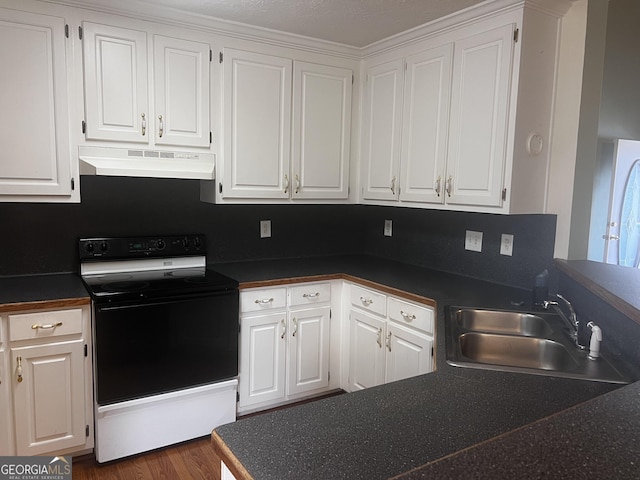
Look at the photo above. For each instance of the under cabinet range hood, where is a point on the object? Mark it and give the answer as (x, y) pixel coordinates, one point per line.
(136, 162)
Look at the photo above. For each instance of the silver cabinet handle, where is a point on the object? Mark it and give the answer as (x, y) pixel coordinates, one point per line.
(393, 185)
(438, 185)
(449, 185)
(144, 124)
(407, 316)
(160, 126)
(35, 326)
(379, 339)
(286, 184)
(297, 184)
(284, 328)
(295, 327)
(366, 301)
(264, 301)
(311, 295)
(388, 342)
(19, 370)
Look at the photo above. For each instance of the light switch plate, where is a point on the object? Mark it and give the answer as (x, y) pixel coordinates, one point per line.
(506, 244)
(473, 241)
(265, 228)
(388, 228)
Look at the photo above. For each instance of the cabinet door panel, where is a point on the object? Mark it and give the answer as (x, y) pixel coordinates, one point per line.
(381, 131)
(321, 131)
(181, 92)
(257, 116)
(115, 82)
(262, 358)
(425, 125)
(49, 402)
(479, 117)
(34, 117)
(367, 354)
(6, 426)
(409, 353)
(308, 350)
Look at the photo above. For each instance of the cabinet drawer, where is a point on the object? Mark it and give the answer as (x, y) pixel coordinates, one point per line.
(369, 300)
(263, 299)
(418, 316)
(28, 326)
(309, 294)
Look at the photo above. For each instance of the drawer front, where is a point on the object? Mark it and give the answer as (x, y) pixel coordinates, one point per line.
(263, 299)
(418, 316)
(309, 294)
(29, 326)
(369, 300)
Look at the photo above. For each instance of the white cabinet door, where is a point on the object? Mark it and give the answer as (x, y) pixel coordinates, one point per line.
(115, 83)
(321, 131)
(6, 426)
(409, 353)
(257, 125)
(262, 358)
(367, 351)
(181, 85)
(48, 399)
(308, 350)
(427, 91)
(479, 117)
(34, 115)
(381, 126)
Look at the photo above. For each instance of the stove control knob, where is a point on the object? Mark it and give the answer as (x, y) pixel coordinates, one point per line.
(197, 242)
(186, 242)
(160, 244)
(104, 246)
(89, 247)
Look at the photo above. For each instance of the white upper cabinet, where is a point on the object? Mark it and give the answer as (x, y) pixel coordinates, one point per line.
(115, 82)
(34, 111)
(257, 128)
(118, 86)
(479, 113)
(321, 131)
(287, 128)
(427, 87)
(382, 117)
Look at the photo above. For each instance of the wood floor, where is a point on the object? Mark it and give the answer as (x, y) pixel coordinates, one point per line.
(186, 461)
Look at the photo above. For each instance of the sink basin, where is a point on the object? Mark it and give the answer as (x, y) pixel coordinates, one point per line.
(498, 321)
(516, 351)
(524, 342)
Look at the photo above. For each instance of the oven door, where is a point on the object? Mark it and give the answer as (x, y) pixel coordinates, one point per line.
(142, 348)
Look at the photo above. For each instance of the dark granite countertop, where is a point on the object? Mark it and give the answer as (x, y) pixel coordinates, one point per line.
(402, 426)
(42, 291)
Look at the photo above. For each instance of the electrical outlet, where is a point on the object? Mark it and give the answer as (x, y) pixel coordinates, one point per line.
(506, 244)
(265, 228)
(388, 228)
(473, 241)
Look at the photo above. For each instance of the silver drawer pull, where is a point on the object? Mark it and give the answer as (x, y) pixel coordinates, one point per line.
(19, 370)
(379, 339)
(311, 295)
(264, 301)
(35, 326)
(407, 316)
(366, 301)
(295, 327)
(284, 328)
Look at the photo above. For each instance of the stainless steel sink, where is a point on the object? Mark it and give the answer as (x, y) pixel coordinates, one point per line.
(496, 321)
(536, 343)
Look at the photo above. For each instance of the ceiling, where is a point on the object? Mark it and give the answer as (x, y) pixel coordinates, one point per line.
(352, 22)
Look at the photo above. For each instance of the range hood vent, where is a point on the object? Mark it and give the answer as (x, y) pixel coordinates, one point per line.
(135, 162)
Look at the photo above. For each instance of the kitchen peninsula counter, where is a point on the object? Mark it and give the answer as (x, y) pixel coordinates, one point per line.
(427, 426)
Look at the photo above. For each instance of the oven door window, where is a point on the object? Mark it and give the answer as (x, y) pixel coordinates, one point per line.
(149, 348)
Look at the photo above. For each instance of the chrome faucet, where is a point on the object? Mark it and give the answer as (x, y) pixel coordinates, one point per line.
(572, 320)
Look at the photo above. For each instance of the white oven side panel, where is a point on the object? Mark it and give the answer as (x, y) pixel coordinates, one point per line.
(144, 424)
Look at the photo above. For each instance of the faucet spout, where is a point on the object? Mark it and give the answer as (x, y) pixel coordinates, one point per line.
(572, 320)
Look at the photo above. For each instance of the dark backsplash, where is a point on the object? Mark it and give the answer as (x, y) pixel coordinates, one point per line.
(43, 237)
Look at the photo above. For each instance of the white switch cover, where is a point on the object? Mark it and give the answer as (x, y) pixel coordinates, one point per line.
(506, 244)
(388, 228)
(265, 228)
(473, 241)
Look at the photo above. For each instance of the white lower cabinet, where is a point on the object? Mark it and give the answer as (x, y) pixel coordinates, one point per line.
(389, 339)
(284, 344)
(49, 382)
